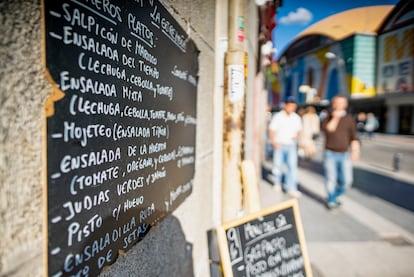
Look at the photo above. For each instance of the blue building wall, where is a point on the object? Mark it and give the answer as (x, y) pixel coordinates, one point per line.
(348, 68)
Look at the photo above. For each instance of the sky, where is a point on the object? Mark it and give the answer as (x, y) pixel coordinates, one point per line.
(297, 15)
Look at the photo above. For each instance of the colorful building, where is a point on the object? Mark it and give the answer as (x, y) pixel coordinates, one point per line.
(395, 68)
(369, 59)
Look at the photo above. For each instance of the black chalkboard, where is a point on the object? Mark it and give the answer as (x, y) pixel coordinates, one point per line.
(120, 127)
(269, 242)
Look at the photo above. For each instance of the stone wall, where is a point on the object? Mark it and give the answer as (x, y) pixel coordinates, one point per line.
(23, 93)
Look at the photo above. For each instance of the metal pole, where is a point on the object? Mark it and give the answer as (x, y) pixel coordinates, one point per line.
(397, 160)
(234, 108)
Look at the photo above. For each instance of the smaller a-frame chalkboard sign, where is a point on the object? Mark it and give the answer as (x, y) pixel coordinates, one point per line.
(269, 242)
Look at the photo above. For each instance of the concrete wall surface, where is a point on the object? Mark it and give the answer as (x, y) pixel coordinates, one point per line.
(23, 92)
(178, 245)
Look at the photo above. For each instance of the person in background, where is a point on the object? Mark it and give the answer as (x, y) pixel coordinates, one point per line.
(323, 114)
(361, 120)
(310, 132)
(371, 125)
(341, 148)
(268, 145)
(284, 132)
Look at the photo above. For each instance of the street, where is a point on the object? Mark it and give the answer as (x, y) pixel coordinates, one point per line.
(378, 155)
(372, 233)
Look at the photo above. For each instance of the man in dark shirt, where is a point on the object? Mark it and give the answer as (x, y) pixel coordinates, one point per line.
(341, 148)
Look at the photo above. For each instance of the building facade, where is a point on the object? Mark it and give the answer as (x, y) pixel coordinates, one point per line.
(395, 68)
(370, 60)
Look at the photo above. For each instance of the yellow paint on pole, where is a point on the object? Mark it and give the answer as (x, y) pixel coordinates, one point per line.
(250, 187)
(234, 109)
(232, 140)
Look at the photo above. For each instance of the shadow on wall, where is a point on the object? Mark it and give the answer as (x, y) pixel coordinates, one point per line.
(163, 252)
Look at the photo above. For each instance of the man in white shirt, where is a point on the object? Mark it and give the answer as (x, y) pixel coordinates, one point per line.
(284, 131)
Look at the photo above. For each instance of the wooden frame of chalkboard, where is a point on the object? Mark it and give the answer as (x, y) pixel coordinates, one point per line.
(268, 241)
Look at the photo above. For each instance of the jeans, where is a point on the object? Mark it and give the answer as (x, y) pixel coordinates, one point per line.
(338, 174)
(287, 154)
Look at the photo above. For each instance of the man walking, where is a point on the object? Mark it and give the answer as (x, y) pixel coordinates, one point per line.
(341, 148)
(284, 131)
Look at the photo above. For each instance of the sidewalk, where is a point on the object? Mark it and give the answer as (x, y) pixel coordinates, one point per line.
(353, 240)
(336, 255)
(390, 138)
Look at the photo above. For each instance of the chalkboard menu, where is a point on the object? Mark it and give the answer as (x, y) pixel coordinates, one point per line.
(267, 243)
(120, 127)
